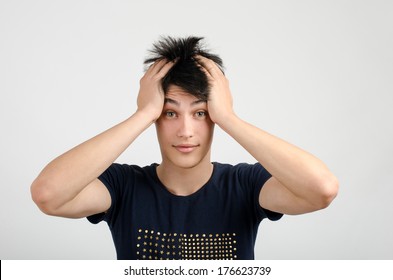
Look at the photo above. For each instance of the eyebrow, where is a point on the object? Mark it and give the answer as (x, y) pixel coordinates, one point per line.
(177, 103)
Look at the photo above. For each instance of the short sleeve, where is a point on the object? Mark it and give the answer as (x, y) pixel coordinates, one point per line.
(254, 177)
(114, 178)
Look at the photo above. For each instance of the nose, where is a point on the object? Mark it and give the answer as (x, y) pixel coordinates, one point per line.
(185, 128)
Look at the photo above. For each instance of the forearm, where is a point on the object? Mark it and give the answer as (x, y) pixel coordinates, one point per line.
(63, 178)
(300, 172)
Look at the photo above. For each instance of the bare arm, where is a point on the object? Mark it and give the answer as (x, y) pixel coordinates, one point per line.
(68, 186)
(300, 182)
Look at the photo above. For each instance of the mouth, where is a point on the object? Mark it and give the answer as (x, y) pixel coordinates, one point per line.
(185, 148)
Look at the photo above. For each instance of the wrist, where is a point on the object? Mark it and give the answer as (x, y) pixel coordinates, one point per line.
(226, 120)
(149, 114)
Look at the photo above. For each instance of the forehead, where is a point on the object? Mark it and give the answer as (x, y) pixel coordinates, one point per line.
(176, 95)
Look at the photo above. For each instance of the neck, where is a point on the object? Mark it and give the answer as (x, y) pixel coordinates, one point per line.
(184, 181)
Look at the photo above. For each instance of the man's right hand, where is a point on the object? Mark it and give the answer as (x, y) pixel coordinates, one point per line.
(151, 95)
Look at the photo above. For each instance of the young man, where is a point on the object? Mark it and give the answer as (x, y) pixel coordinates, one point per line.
(186, 207)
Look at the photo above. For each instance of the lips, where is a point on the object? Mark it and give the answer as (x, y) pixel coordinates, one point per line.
(185, 148)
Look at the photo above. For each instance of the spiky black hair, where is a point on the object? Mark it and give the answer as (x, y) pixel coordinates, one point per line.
(186, 73)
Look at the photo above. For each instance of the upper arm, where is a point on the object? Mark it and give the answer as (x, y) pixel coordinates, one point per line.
(93, 199)
(274, 196)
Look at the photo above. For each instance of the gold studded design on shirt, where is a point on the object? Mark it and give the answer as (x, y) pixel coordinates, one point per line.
(155, 245)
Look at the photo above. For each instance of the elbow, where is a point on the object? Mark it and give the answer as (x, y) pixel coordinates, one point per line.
(327, 192)
(42, 196)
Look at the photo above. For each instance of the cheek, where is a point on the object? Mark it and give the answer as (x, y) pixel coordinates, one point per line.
(206, 130)
(161, 132)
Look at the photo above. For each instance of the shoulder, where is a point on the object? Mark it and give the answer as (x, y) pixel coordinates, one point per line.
(228, 167)
(241, 169)
(118, 175)
(126, 169)
(249, 175)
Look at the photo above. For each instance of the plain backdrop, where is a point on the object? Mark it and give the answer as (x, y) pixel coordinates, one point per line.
(318, 74)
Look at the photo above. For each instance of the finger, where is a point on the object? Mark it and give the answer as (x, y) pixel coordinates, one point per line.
(156, 66)
(165, 68)
(209, 66)
(201, 61)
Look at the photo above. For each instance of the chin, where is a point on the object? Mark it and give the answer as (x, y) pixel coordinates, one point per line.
(187, 162)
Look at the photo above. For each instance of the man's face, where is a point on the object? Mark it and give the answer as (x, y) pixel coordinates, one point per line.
(184, 130)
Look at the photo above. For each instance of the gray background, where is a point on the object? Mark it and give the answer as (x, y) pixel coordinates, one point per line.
(316, 73)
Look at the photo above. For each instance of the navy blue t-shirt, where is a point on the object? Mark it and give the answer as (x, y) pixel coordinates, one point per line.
(219, 221)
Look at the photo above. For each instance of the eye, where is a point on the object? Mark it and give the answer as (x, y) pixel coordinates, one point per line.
(201, 114)
(170, 114)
